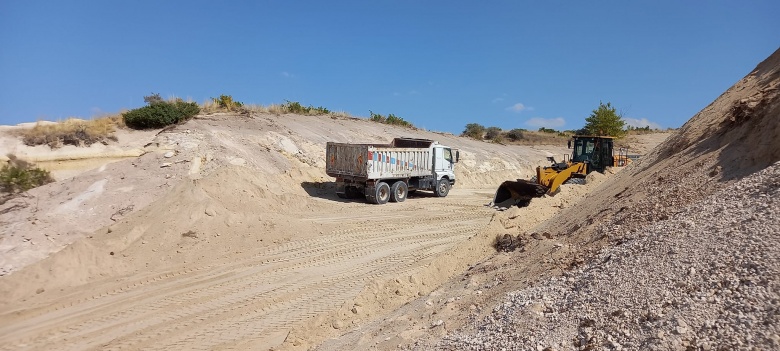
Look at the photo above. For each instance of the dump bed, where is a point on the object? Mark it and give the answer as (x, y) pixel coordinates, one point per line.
(404, 158)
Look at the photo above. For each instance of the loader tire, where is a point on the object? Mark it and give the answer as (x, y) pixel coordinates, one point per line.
(442, 188)
(578, 181)
(399, 191)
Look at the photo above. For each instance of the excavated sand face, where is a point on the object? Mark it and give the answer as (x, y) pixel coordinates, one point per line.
(284, 153)
(678, 251)
(226, 233)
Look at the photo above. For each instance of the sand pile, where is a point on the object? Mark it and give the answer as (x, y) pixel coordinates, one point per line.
(287, 152)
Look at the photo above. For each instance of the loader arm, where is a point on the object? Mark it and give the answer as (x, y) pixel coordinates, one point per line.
(554, 182)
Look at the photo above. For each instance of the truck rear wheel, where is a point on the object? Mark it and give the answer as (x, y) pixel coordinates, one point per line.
(399, 191)
(381, 194)
(442, 188)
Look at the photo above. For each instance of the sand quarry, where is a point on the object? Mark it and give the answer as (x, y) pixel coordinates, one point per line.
(225, 233)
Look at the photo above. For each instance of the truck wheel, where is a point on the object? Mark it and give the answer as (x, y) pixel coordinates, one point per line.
(398, 191)
(381, 194)
(442, 188)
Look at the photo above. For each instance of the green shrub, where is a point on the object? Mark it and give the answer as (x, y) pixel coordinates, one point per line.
(390, 119)
(18, 176)
(376, 117)
(297, 108)
(160, 113)
(474, 131)
(227, 102)
(548, 130)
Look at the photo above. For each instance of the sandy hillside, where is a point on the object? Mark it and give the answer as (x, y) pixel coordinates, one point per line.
(677, 252)
(225, 233)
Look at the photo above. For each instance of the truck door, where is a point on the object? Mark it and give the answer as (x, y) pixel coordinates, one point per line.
(444, 163)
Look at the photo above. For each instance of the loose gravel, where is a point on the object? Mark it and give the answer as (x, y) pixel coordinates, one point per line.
(706, 278)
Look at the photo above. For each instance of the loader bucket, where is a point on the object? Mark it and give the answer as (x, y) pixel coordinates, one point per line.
(517, 193)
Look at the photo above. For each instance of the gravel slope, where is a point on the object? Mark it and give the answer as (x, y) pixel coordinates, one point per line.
(707, 278)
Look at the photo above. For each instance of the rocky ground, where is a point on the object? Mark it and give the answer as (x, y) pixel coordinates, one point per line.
(708, 278)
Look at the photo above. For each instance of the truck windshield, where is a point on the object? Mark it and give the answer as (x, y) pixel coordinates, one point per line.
(448, 155)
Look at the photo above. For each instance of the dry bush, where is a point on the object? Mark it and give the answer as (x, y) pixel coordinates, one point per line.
(257, 108)
(73, 131)
(538, 138)
(209, 106)
(277, 109)
(18, 176)
(342, 114)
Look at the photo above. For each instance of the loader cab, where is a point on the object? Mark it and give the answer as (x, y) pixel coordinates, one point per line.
(594, 150)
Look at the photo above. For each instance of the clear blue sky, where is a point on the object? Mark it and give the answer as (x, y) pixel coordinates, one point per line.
(437, 64)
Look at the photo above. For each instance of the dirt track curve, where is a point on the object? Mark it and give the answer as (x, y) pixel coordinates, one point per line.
(257, 297)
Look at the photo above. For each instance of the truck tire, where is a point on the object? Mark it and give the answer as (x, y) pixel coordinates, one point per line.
(399, 191)
(442, 188)
(381, 194)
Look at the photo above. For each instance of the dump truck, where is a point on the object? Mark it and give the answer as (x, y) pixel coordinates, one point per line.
(389, 172)
(589, 154)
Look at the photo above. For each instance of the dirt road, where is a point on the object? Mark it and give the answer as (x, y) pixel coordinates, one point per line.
(253, 299)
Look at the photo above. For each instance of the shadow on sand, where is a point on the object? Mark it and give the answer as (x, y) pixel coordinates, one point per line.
(327, 191)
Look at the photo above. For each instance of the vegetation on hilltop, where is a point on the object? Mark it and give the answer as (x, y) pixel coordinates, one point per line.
(19, 176)
(72, 131)
(159, 113)
(604, 120)
(389, 119)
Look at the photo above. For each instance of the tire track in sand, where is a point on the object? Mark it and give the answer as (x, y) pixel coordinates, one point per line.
(245, 301)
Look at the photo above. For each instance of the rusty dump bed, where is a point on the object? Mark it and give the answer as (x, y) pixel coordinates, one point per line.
(518, 193)
(403, 158)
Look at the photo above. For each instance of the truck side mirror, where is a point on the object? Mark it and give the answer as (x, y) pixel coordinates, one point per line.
(457, 156)
(569, 144)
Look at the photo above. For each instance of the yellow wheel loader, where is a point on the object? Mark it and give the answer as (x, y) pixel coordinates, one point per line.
(589, 153)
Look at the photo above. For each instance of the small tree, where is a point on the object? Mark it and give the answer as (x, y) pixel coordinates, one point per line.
(605, 121)
(474, 131)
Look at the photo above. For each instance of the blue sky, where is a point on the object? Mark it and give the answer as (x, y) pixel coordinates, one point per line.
(437, 64)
